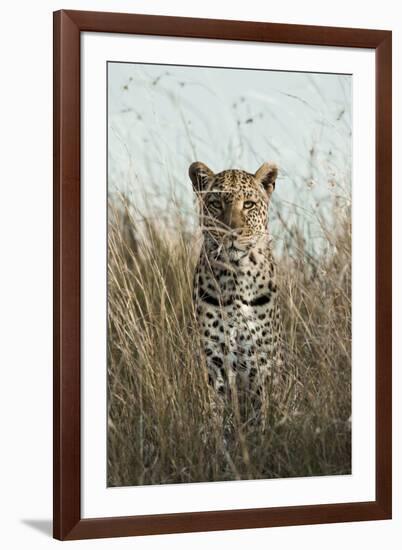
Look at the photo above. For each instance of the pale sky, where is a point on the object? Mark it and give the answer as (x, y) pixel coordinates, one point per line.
(162, 118)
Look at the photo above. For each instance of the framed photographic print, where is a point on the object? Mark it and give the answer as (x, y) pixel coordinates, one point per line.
(222, 268)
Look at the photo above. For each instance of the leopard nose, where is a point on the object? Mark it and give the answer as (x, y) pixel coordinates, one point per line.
(232, 217)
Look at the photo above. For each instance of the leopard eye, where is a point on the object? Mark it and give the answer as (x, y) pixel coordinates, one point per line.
(248, 204)
(215, 204)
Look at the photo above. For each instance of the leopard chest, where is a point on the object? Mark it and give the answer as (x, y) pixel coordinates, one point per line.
(236, 309)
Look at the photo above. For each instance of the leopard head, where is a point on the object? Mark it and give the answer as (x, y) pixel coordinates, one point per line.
(234, 203)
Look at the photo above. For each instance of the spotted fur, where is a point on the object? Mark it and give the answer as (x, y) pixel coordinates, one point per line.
(235, 288)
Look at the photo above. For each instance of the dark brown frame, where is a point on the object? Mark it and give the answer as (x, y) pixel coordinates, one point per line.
(68, 26)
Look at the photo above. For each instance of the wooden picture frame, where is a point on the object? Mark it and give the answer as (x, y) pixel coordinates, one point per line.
(68, 523)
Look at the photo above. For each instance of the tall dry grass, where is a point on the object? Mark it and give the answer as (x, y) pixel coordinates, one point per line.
(161, 428)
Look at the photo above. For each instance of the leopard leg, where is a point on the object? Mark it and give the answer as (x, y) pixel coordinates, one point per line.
(259, 393)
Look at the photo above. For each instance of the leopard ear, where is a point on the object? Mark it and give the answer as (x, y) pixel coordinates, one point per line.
(266, 175)
(200, 175)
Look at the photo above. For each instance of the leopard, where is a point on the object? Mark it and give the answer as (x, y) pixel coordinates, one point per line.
(235, 288)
